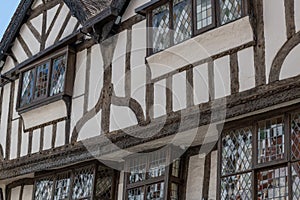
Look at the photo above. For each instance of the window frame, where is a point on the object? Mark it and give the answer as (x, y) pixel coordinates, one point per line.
(70, 55)
(167, 178)
(72, 171)
(287, 161)
(149, 7)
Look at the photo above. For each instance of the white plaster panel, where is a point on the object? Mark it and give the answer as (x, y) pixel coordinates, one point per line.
(246, 69)
(36, 139)
(96, 76)
(24, 144)
(36, 3)
(14, 139)
(50, 16)
(2, 186)
(130, 11)
(121, 117)
(201, 88)
(15, 113)
(195, 178)
(9, 64)
(27, 192)
(15, 193)
(297, 15)
(179, 91)
(213, 176)
(79, 83)
(121, 186)
(203, 46)
(57, 26)
(91, 129)
(32, 43)
(48, 137)
(118, 65)
(18, 51)
(77, 111)
(138, 67)
(44, 114)
(4, 114)
(222, 77)
(290, 67)
(159, 107)
(275, 30)
(37, 22)
(70, 27)
(60, 134)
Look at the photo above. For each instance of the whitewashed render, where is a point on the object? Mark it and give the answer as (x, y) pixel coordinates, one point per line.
(49, 128)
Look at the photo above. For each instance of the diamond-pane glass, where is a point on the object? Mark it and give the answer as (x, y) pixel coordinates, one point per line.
(104, 183)
(295, 130)
(230, 10)
(296, 180)
(83, 183)
(204, 13)
(136, 194)
(273, 184)
(43, 189)
(237, 151)
(270, 140)
(27, 87)
(155, 191)
(137, 170)
(182, 20)
(157, 165)
(58, 75)
(42, 76)
(236, 187)
(160, 23)
(62, 187)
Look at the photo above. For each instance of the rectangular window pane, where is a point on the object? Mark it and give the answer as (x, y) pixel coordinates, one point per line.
(27, 87)
(155, 192)
(42, 77)
(273, 184)
(296, 180)
(295, 130)
(230, 10)
(83, 183)
(175, 167)
(43, 189)
(174, 191)
(270, 140)
(136, 194)
(157, 164)
(237, 151)
(137, 170)
(160, 24)
(236, 187)
(182, 19)
(62, 187)
(58, 75)
(204, 13)
(104, 183)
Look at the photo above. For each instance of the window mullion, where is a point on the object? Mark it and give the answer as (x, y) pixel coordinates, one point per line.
(34, 83)
(50, 77)
(171, 23)
(54, 186)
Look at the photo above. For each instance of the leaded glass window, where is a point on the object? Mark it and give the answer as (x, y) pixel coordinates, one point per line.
(58, 75)
(27, 87)
(296, 180)
(43, 189)
(236, 187)
(62, 187)
(42, 76)
(273, 184)
(295, 129)
(83, 183)
(230, 10)
(104, 183)
(146, 176)
(270, 140)
(204, 13)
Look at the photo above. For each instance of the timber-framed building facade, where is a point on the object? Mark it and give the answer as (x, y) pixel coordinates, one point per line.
(150, 100)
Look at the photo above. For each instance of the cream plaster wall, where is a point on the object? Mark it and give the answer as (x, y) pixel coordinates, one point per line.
(27, 192)
(121, 117)
(91, 129)
(291, 65)
(24, 144)
(179, 91)
(15, 193)
(50, 16)
(130, 11)
(60, 134)
(79, 83)
(297, 15)
(37, 23)
(47, 137)
(159, 107)
(14, 139)
(201, 88)
(4, 114)
(18, 51)
(246, 69)
(36, 137)
(222, 77)
(9, 64)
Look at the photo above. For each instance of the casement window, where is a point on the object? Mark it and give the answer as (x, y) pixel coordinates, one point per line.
(150, 177)
(46, 80)
(262, 160)
(77, 183)
(174, 21)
